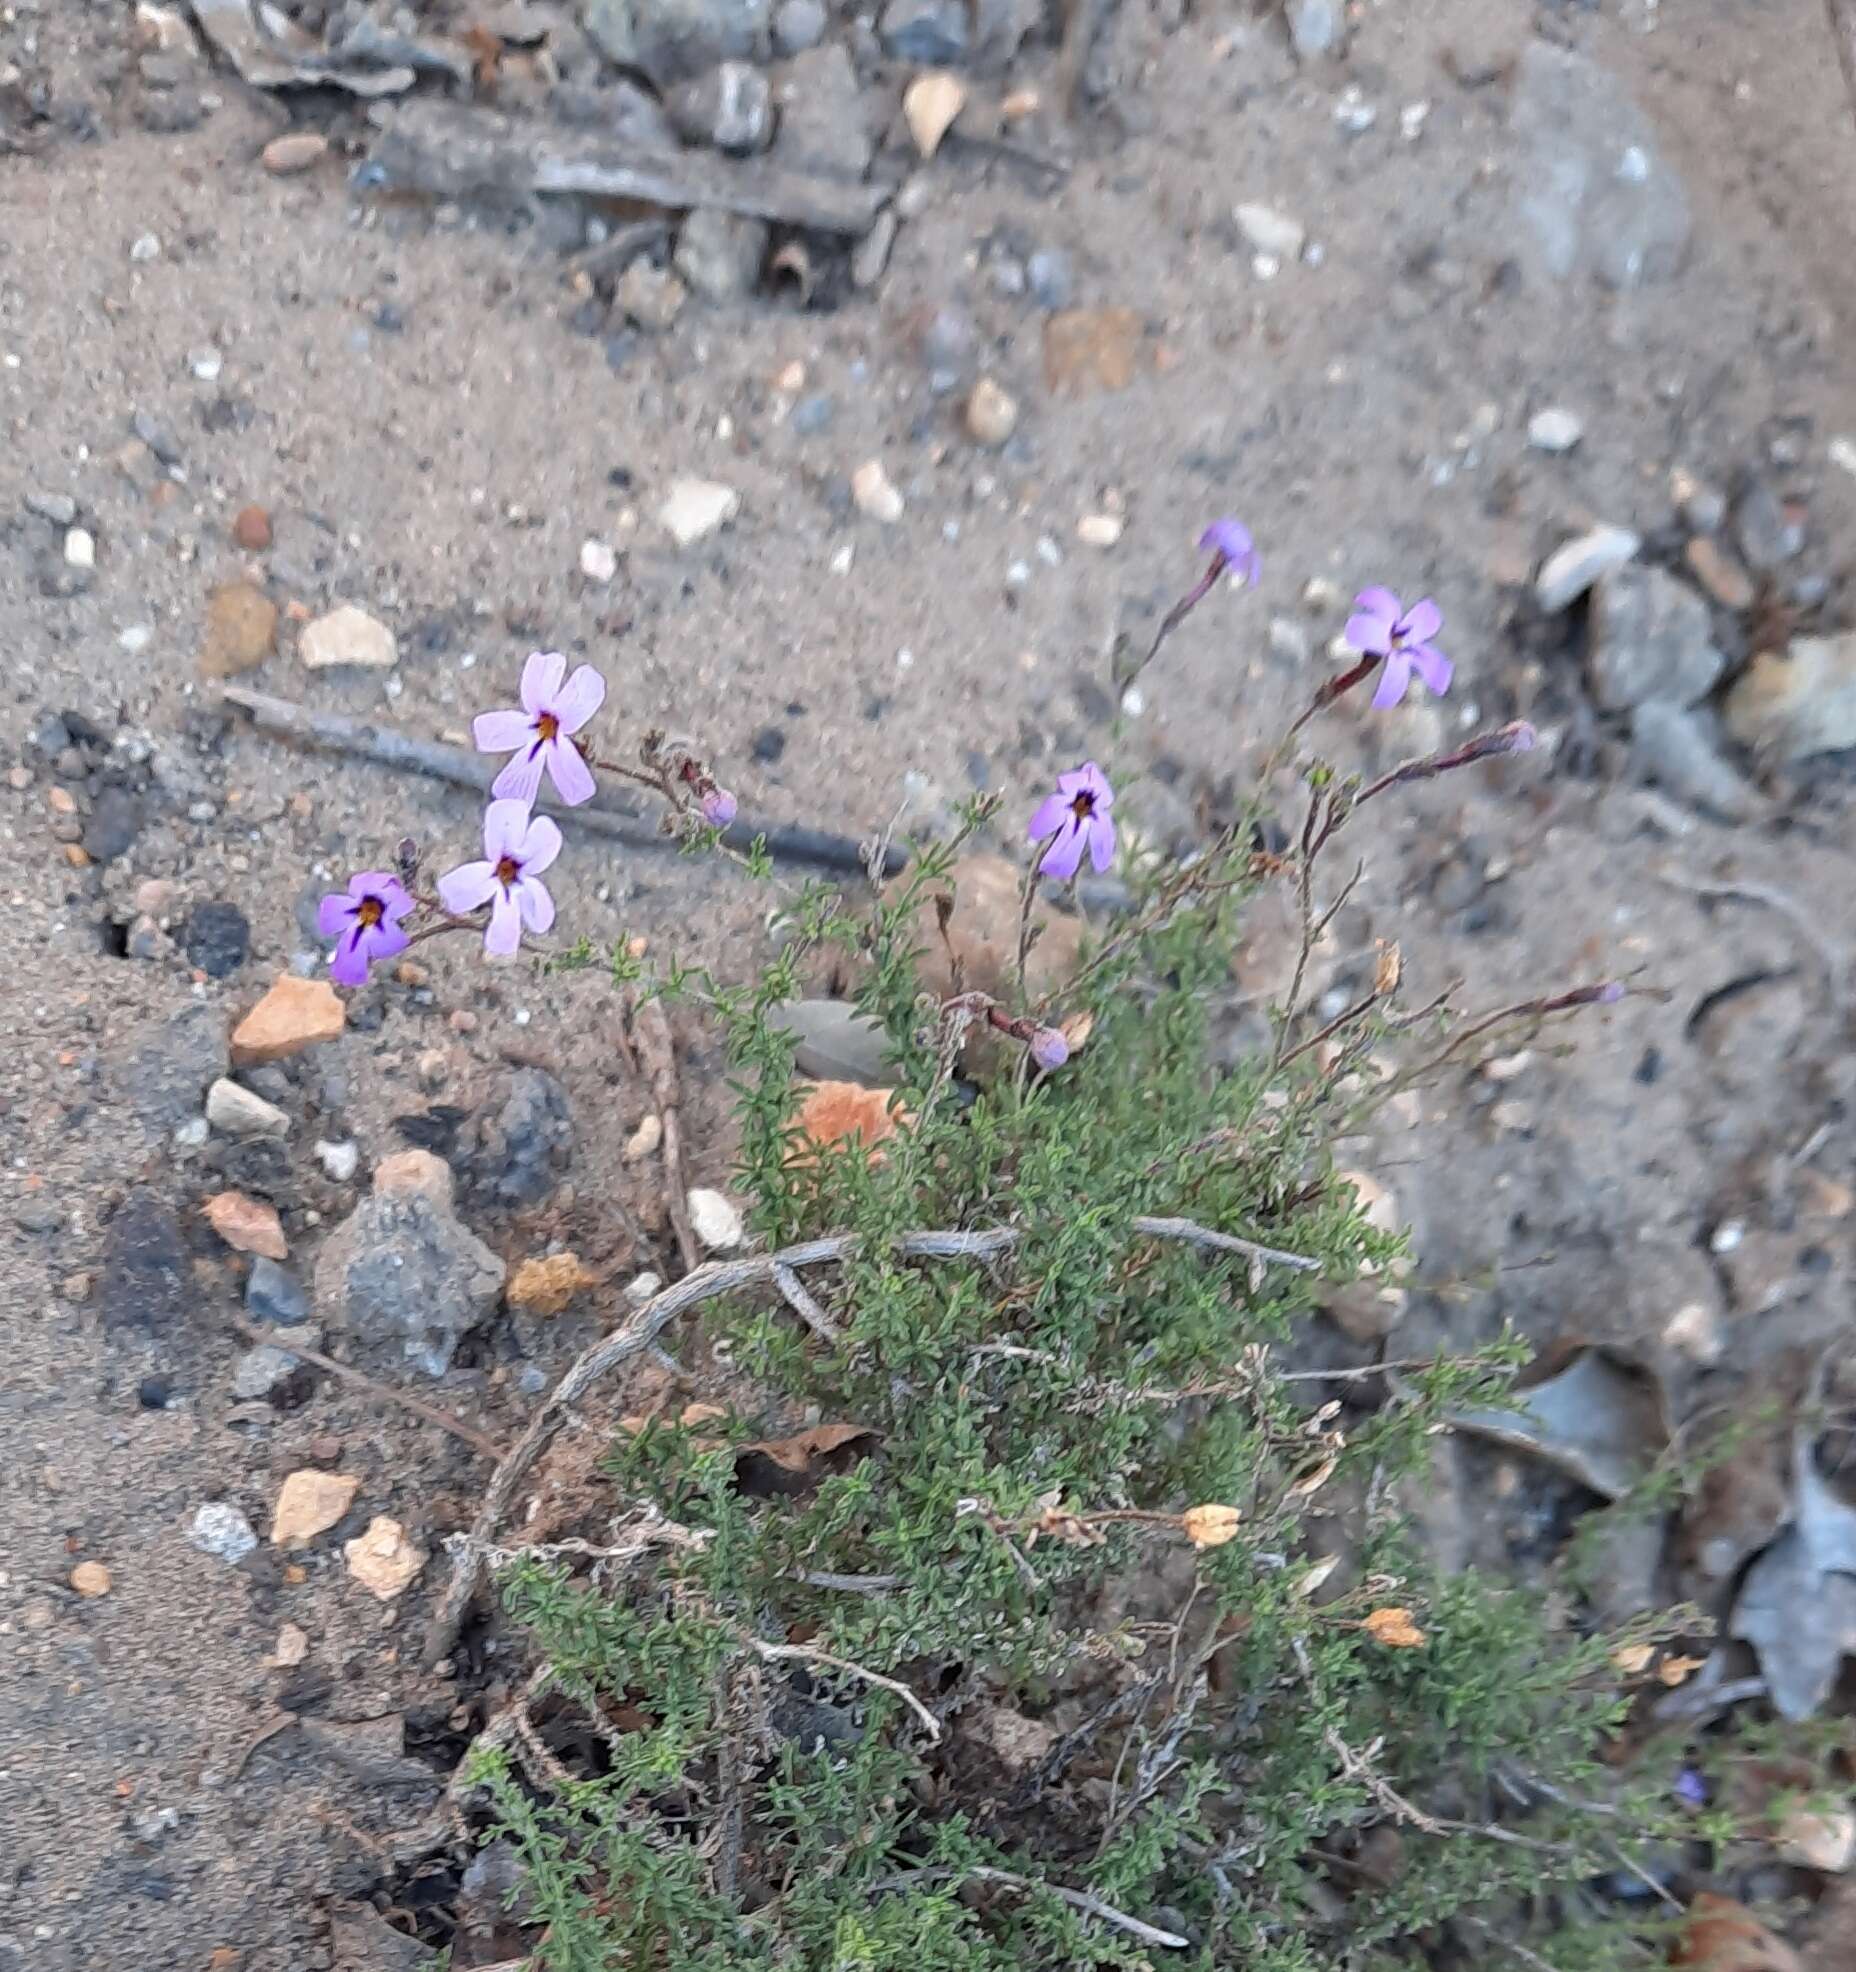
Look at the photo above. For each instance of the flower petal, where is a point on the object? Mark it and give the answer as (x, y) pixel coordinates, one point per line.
(1371, 636)
(577, 700)
(335, 912)
(1231, 538)
(1097, 783)
(1063, 856)
(397, 898)
(572, 778)
(520, 780)
(502, 732)
(539, 845)
(384, 941)
(1433, 667)
(1101, 842)
(1379, 602)
(348, 966)
(505, 823)
(467, 888)
(1421, 622)
(1047, 818)
(541, 678)
(504, 934)
(1394, 681)
(535, 903)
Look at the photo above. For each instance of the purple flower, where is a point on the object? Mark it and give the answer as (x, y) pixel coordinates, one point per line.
(1076, 818)
(1689, 1786)
(517, 847)
(1230, 540)
(537, 736)
(1049, 1048)
(1382, 626)
(718, 807)
(364, 921)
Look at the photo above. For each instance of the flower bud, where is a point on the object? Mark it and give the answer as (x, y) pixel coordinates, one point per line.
(718, 807)
(1049, 1048)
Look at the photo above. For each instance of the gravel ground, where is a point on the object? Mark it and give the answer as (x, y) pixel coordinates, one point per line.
(410, 396)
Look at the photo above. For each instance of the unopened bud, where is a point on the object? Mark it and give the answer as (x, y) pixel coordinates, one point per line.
(718, 807)
(1049, 1048)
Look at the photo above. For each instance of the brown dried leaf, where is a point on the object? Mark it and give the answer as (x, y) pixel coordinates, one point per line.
(836, 1115)
(1633, 1659)
(1076, 1029)
(1394, 1628)
(1210, 1526)
(1724, 1936)
(1678, 1670)
(772, 1467)
(1388, 970)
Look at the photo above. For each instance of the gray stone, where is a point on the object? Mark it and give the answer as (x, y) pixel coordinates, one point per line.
(237, 1112)
(651, 296)
(1554, 430)
(1571, 569)
(1767, 538)
(1676, 750)
(146, 1282)
(934, 33)
(164, 1070)
(529, 1144)
(671, 39)
(401, 1271)
(221, 1530)
(262, 1371)
(719, 254)
(870, 256)
(1790, 705)
(730, 107)
(274, 1294)
(59, 508)
(822, 123)
(813, 415)
(1593, 193)
(1053, 285)
(1651, 639)
(1314, 27)
(833, 1042)
(115, 821)
(799, 25)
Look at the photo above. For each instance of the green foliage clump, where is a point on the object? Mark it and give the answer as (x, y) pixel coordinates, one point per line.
(1143, 1752)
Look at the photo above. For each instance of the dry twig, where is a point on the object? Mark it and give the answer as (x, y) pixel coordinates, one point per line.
(805, 1654)
(658, 1052)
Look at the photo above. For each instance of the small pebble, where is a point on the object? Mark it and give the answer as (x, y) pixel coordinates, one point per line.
(338, 1160)
(642, 1288)
(696, 508)
(875, 494)
(296, 150)
(251, 528)
(80, 548)
(219, 1529)
(90, 1578)
(992, 413)
(59, 508)
(1554, 430)
(206, 364)
(716, 1221)
(145, 247)
(1099, 530)
(1570, 571)
(1270, 231)
(599, 561)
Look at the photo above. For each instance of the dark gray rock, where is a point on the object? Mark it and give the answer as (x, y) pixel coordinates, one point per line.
(217, 939)
(823, 127)
(730, 107)
(1314, 26)
(526, 1148)
(833, 1042)
(164, 1070)
(1652, 638)
(935, 33)
(115, 821)
(401, 1272)
(671, 39)
(145, 1280)
(1052, 283)
(274, 1294)
(1767, 538)
(719, 254)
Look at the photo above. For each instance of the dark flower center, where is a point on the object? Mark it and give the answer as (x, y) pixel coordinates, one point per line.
(547, 726)
(1083, 806)
(507, 870)
(372, 910)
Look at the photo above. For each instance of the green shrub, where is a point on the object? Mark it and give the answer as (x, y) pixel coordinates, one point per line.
(1118, 1749)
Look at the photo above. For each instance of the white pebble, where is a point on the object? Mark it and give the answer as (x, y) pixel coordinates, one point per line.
(1099, 530)
(1411, 120)
(339, 1160)
(1554, 430)
(696, 508)
(206, 364)
(599, 562)
(1269, 231)
(80, 548)
(642, 1288)
(716, 1221)
(875, 493)
(146, 247)
(842, 559)
(220, 1529)
(137, 638)
(1353, 112)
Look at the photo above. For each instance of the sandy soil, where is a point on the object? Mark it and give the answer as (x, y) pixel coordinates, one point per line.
(407, 396)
